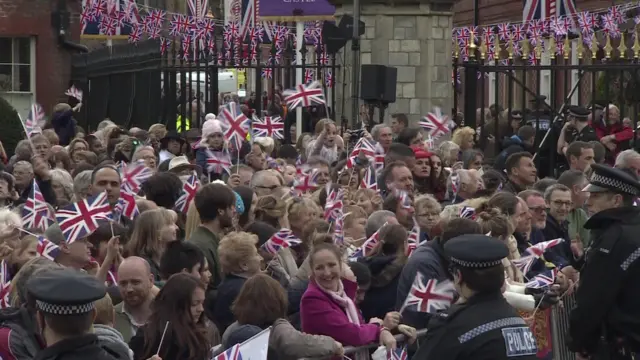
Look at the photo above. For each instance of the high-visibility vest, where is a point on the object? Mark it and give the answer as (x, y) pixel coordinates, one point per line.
(187, 124)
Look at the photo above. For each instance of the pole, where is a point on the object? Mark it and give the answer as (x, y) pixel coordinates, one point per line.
(299, 42)
(355, 69)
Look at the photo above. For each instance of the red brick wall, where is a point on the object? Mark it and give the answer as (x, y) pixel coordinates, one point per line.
(20, 18)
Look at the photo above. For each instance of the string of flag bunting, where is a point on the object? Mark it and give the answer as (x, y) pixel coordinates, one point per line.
(194, 35)
(529, 40)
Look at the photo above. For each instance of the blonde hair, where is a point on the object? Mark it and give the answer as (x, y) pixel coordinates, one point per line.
(61, 107)
(104, 311)
(444, 152)
(145, 239)
(426, 201)
(461, 134)
(9, 222)
(297, 205)
(235, 248)
(65, 180)
(353, 213)
(158, 131)
(321, 124)
(271, 206)
(267, 144)
(495, 222)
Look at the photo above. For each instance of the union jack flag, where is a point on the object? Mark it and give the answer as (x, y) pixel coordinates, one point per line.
(532, 253)
(306, 182)
(413, 240)
(164, 45)
(74, 92)
(365, 147)
(35, 213)
(197, 8)
(399, 353)
(80, 219)
(430, 296)
(369, 181)
(237, 123)
(218, 161)
(338, 229)
(542, 280)
(403, 198)
(546, 9)
(436, 123)
(5, 284)
(126, 205)
(268, 126)
(467, 212)
(189, 190)
(308, 75)
(179, 25)
(267, 73)
(305, 95)
(334, 205)
(368, 246)
(36, 115)
(233, 353)
(133, 176)
(280, 240)
(47, 249)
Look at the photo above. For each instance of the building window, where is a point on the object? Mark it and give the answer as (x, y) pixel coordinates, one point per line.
(15, 65)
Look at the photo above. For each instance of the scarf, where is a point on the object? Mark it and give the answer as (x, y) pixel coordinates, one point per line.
(341, 298)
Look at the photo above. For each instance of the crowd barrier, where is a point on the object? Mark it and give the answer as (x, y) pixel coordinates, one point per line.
(550, 327)
(560, 328)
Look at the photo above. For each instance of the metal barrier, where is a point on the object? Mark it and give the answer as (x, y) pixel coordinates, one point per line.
(560, 328)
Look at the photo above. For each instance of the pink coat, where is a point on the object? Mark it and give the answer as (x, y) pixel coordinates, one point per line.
(321, 315)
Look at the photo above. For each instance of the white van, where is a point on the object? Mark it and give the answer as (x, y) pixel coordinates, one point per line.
(227, 81)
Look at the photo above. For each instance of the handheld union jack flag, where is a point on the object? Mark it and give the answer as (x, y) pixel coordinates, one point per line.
(236, 123)
(399, 353)
(436, 123)
(35, 213)
(5, 285)
(467, 212)
(268, 126)
(368, 246)
(429, 296)
(308, 75)
(304, 95)
(218, 161)
(189, 190)
(369, 180)
(30, 124)
(74, 92)
(334, 204)
(126, 205)
(47, 249)
(403, 198)
(413, 241)
(542, 280)
(233, 353)
(306, 182)
(338, 229)
(133, 176)
(532, 253)
(280, 240)
(80, 219)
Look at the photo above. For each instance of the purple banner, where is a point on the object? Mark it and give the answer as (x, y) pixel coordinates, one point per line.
(296, 10)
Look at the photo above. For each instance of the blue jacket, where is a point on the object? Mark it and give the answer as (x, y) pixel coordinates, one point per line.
(430, 261)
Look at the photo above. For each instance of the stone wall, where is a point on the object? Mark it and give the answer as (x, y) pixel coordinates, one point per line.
(417, 41)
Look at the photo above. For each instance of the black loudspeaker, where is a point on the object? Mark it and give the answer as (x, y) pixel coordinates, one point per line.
(378, 83)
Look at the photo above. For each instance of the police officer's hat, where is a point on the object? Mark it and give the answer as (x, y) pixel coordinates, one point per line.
(539, 99)
(65, 292)
(516, 115)
(475, 251)
(579, 112)
(605, 178)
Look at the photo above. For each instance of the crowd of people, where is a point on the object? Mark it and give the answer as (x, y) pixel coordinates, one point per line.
(180, 246)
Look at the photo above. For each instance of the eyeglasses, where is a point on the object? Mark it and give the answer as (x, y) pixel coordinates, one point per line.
(538, 209)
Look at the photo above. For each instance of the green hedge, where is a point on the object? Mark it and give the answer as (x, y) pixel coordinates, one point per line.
(11, 131)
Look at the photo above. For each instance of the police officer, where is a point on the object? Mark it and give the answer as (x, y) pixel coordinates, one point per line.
(541, 119)
(604, 323)
(576, 128)
(482, 325)
(65, 303)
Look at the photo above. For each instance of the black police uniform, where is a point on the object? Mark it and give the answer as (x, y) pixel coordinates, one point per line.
(485, 327)
(605, 321)
(587, 133)
(541, 119)
(69, 292)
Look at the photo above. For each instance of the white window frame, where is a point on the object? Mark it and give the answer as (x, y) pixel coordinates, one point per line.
(575, 74)
(32, 64)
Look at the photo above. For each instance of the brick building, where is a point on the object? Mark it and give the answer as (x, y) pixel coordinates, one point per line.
(540, 81)
(33, 64)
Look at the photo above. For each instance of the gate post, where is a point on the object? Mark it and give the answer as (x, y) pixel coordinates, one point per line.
(471, 71)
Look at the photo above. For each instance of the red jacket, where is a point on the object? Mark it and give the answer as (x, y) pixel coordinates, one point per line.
(620, 133)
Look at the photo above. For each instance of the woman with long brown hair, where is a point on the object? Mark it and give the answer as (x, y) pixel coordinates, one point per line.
(178, 309)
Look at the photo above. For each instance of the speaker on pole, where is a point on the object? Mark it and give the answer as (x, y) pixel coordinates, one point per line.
(378, 83)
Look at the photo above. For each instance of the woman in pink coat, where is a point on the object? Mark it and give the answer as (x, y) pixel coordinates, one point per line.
(327, 307)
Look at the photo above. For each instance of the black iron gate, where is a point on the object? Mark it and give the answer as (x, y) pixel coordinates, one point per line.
(145, 83)
(487, 89)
